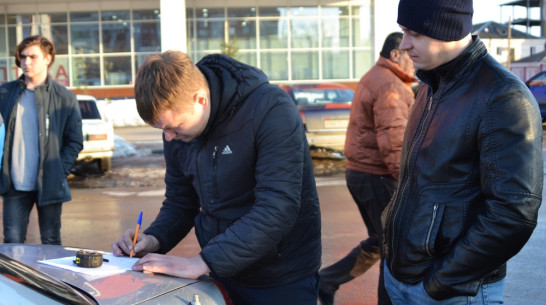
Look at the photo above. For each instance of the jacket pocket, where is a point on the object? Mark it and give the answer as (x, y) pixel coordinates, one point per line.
(437, 214)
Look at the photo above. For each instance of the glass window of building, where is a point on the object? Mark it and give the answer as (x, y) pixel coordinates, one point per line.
(85, 38)
(3, 46)
(147, 36)
(336, 64)
(150, 14)
(210, 35)
(59, 70)
(86, 71)
(4, 71)
(104, 47)
(241, 12)
(275, 65)
(117, 70)
(242, 34)
(305, 65)
(16, 35)
(84, 16)
(274, 33)
(116, 37)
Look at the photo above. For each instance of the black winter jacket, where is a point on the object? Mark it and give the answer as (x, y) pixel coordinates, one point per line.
(247, 181)
(60, 133)
(471, 177)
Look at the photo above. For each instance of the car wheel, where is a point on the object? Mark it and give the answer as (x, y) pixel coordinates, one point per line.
(105, 164)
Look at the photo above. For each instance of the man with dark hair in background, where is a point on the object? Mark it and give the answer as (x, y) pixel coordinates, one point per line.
(379, 113)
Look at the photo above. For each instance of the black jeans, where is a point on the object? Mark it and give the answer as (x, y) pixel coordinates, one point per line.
(17, 208)
(371, 193)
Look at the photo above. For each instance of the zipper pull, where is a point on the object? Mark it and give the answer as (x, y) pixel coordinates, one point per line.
(47, 124)
(214, 152)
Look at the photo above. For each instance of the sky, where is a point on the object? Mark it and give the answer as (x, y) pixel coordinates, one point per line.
(490, 10)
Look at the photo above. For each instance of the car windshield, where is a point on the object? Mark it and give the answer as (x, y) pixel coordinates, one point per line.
(89, 110)
(41, 282)
(319, 96)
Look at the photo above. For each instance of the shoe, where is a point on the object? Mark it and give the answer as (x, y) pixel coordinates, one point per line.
(325, 298)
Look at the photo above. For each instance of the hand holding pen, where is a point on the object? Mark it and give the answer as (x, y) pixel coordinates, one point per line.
(129, 239)
(139, 223)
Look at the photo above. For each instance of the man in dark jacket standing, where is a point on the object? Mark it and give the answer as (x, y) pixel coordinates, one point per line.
(43, 139)
(379, 113)
(240, 171)
(471, 169)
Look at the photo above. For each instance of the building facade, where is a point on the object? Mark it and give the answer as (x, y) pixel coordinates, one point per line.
(100, 45)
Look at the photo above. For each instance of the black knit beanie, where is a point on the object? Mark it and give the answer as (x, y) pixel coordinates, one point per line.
(447, 20)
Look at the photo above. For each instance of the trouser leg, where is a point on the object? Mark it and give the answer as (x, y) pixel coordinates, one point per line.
(354, 264)
(49, 218)
(17, 206)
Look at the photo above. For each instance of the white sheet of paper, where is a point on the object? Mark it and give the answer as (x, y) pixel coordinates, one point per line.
(115, 265)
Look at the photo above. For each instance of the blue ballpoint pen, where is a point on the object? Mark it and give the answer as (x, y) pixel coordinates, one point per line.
(139, 223)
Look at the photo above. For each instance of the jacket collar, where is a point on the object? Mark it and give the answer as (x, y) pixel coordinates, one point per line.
(23, 85)
(396, 69)
(230, 82)
(457, 67)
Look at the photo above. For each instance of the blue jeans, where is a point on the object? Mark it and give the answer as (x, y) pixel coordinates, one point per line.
(17, 208)
(302, 292)
(402, 293)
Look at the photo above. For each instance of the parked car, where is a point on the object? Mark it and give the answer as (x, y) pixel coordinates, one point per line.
(26, 279)
(325, 109)
(98, 135)
(537, 86)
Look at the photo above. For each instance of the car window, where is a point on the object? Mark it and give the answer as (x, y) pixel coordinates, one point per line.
(89, 110)
(315, 96)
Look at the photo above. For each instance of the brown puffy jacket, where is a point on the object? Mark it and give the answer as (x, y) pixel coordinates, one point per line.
(379, 114)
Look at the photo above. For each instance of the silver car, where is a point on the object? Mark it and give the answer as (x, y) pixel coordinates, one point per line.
(325, 109)
(26, 279)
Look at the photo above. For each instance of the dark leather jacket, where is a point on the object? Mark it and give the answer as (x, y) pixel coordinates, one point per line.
(471, 177)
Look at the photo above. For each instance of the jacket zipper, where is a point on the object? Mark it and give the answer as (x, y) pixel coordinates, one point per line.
(434, 214)
(47, 125)
(390, 247)
(214, 163)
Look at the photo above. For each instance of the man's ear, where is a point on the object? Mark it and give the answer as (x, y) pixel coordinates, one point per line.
(394, 55)
(48, 60)
(201, 97)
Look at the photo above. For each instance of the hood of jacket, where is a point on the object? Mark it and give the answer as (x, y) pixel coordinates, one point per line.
(230, 82)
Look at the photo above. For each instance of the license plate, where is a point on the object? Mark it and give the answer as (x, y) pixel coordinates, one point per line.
(336, 123)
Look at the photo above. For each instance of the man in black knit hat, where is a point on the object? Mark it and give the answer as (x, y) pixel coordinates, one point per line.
(471, 170)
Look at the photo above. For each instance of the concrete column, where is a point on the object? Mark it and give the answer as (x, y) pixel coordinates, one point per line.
(173, 25)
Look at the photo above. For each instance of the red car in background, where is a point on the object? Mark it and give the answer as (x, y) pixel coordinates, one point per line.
(325, 109)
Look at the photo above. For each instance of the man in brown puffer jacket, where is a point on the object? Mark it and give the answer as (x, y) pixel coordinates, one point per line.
(379, 113)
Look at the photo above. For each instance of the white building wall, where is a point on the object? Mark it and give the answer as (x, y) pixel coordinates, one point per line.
(498, 48)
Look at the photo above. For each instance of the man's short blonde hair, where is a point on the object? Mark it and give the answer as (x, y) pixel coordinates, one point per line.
(166, 81)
